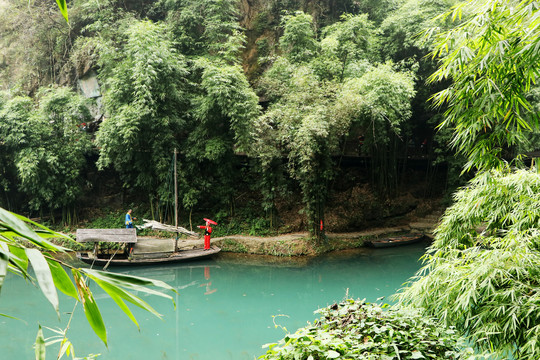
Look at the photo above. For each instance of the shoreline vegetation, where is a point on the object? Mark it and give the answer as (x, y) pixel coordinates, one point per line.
(300, 243)
(283, 244)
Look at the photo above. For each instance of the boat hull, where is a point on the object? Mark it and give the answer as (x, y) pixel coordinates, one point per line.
(180, 256)
(397, 241)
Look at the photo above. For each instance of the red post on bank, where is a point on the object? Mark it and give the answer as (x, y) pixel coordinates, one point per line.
(207, 232)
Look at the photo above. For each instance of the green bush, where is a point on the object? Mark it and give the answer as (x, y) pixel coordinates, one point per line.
(481, 273)
(111, 220)
(360, 330)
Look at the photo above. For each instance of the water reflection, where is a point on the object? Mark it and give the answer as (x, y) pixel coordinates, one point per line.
(225, 307)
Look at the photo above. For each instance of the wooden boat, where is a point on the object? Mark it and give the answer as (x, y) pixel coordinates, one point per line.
(397, 241)
(184, 255)
(133, 250)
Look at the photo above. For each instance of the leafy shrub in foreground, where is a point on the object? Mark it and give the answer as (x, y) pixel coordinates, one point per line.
(359, 330)
(482, 272)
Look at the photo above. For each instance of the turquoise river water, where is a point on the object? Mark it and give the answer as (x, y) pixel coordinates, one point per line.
(226, 307)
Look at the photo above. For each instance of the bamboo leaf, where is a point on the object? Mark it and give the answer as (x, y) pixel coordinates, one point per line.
(44, 276)
(91, 310)
(16, 225)
(39, 345)
(332, 354)
(66, 346)
(135, 283)
(19, 259)
(113, 293)
(129, 279)
(63, 9)
(4, 259)
(130, 297)
(61, 279)
(10, 317)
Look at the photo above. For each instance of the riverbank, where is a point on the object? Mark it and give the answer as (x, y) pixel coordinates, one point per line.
(301, 244)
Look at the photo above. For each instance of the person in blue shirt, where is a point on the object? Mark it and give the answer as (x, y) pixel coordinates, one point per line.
(129, 220)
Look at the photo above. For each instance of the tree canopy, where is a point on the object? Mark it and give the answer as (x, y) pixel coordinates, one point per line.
(49, 145)
(492, 60)
(145, 85)
(317, 92)
(173, 74)
(481, 273)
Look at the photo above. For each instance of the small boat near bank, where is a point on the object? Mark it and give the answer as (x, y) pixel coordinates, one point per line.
(114, 247)
(183, 255)
(396, 241)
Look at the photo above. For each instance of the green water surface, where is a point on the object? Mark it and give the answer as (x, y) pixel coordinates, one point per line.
(228, 307)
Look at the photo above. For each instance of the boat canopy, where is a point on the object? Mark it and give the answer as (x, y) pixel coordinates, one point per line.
(107, 235)
(156, 225)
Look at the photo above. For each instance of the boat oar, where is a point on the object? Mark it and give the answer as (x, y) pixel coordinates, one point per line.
(108, 262)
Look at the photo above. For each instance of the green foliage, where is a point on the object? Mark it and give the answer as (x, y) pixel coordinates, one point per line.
(158, 101)
(205, 27)
(243, 224)
(225, 96)
(403, 28)
(403, 42)
(223, 108)
(59, 337)
(16, 257)
(111, 220)
(300, 128)
(233, 246)
(298, 41)
(379, 100)
(359, 330)
(144, 99)
(62, 6)
(315, 99)
(47, 146)
(33, 46)
(376, 9)
(490, 59)
(482, 271)
(351, 39)
(15, 113)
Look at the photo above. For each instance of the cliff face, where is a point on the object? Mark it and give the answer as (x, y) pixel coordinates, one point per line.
(36, 44)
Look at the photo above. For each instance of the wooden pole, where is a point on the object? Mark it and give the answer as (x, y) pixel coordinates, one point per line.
(175, 192)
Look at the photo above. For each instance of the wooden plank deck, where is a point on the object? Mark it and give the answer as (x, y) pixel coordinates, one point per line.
(107, 235)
